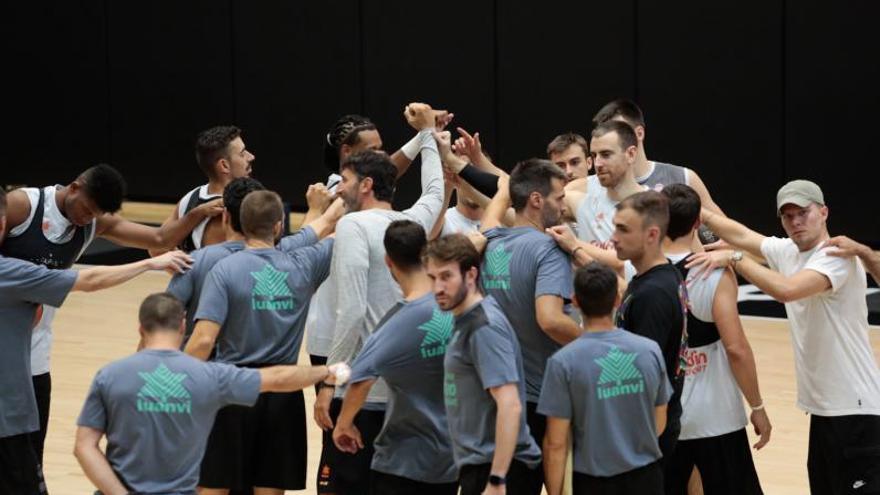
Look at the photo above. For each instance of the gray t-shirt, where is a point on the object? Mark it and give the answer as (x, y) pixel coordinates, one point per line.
(407, 351)
(608, 384)
(23, 287)
(187, 286)
(483, 353)
(157, 409)
(520, 265)
(260, 298)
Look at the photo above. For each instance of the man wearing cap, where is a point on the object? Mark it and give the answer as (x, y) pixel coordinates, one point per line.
(824, 296)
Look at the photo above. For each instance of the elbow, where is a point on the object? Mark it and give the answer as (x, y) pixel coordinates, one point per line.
(79, 451)
(554, 444)
(738, 353)
(785, 295)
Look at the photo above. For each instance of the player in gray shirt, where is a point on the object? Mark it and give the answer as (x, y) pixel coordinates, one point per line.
(157, 407)
(24, 288)
(610, 387)
(413, 452)
(484, 387)
(253, 307)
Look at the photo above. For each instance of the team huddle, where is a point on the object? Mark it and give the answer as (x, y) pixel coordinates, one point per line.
(570, 326)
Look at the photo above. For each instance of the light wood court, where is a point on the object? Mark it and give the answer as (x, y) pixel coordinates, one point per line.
(93, 329)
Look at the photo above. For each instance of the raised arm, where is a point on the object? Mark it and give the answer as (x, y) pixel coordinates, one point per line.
(403, 157)
(167, 236)
(696, 183)
(733, 232)
(847, 248)
(427, 209)
(94, 463)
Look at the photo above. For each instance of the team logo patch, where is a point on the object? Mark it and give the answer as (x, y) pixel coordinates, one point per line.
(497, 268)
(437, 331)
(619, 375)
(163, 392)
(271, 292)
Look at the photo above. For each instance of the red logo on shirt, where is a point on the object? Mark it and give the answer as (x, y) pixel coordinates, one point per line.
(697, 362)
(45, 225)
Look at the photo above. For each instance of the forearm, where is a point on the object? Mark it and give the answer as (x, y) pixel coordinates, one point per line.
(496, 210)
(742, 364)
(772, 283)
(561, 329)
(507, 421)
(200, 344)
(437, 229)
(733, 232)
(102, 277)
(355, 397)
(871, 260)
(484, 182)
(291, 378)
(554, 467)
(98, 470)
(172, 233)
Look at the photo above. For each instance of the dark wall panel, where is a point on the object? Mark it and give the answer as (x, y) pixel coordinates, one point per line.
(558, 63)
(832, 104)
(710, 83)
(170, 77)
(296, 70)
(56, 99)
(428, 53)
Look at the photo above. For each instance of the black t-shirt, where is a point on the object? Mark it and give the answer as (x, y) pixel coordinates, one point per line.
(655, 306)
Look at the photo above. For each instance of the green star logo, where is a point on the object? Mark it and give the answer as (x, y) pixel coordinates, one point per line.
(617, 366)
(163, 392)
(498, 261)
(271, 282)
(437, 332)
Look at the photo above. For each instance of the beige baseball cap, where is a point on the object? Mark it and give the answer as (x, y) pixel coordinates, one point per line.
(799, 192)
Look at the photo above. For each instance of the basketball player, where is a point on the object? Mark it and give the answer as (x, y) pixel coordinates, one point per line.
(157, 407)
(253, 308)
(720, 367)
(611, 386)
(571, 153)
(824, 296)
(530, 276)
(413, 452)
(654, 304)
(484, 384)
(54, 225)
(365, 288)
(25, 286)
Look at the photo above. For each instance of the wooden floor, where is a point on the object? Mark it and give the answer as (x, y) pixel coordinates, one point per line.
(93, 329)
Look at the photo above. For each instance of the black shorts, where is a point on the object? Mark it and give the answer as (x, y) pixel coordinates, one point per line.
(20, 471)
(725, 464)
(262, 446)
(844, 455)
(521, 479)
(646, 480)
(343, 473)
(537, 427)
(317, 360)
(43, 393)
(390, 484)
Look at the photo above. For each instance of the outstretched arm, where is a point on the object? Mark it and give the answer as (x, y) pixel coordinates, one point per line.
(103, 277)
(847, 248)
(167, 236)
(733, 232)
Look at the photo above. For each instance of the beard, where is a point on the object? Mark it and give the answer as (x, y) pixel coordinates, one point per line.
(456, 299)
(550, 217)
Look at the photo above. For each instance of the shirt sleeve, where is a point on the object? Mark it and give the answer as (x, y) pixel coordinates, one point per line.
(182, 285)
(664, 388)
(239, 386)
(492, 352)
(554, 275)
(306, 236)
(25, 281)
(773, 249)
(836, 269)
(555, 400)
(94, 411)
(214, 301)
(367, 365)
(317, 259)
(427, 209)
(350, 268)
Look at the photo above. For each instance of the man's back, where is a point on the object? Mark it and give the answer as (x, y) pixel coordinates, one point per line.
(157, 408)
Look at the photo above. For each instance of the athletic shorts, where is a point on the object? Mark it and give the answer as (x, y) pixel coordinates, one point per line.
(521, 479)
(646, 480)
(844, 455)
(390, 484)
(725, 464)
(20, 471)
(537, 427)
(263, 446)
(342, 473)
(43, 394)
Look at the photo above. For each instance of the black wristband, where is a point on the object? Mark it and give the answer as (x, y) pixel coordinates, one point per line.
(484, 182)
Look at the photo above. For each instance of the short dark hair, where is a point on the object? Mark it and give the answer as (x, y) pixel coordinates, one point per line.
(684, 209)
(234, 194)
(105, 186)
(563, 141)
(532, 175)
(346, 130)
(378, 167)
(404, 242)
(595, 289)
(623, 108)
(651, 206)
(161, 311)
(213, 144)
(626, 136)
(453, 247)
(260, 211)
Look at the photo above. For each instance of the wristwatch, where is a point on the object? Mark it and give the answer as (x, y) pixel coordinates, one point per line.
(496, 480)
(736, 257)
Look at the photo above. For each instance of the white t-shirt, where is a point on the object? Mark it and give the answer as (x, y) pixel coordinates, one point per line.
(321, 318)
(710, 400)
(199, 231)
(837, 373)
(456, 223)
(595, 215)
(57, 229)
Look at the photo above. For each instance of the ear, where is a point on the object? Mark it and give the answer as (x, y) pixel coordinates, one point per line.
(589, 163)
(222, 166)
(640, 133)
(631, 153)
(182, 328)
(536, 200)
(366, 184)
(823, 210)
(471, 275)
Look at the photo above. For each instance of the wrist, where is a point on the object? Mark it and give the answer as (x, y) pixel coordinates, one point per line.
(759, 407)
(574, 251)
(496, 479)
(412, 147)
